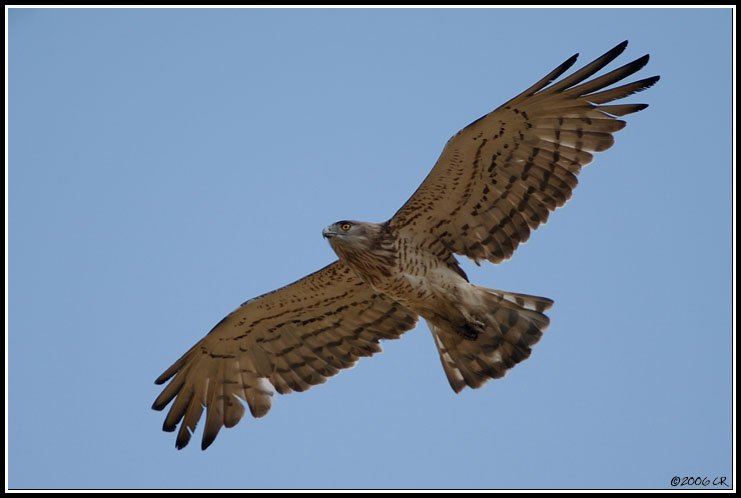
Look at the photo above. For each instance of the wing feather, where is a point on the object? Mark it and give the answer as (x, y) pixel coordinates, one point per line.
(287, 340)
(588, 70)
(500, 177)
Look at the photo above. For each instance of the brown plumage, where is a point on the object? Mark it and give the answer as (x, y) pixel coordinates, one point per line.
(496, 180)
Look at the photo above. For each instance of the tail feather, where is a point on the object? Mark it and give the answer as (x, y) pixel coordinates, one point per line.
(506, 330)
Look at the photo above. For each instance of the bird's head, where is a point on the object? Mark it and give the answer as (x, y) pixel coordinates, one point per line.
(347, 237)
(345, 232)
(357, 235)
(360, 243)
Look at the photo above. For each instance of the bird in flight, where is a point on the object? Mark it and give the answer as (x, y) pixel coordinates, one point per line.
(495, 181)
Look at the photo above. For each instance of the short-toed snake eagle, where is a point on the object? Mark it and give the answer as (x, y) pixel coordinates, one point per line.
(496, 180)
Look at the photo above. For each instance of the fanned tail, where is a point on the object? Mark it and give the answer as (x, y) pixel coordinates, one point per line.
(492, 342)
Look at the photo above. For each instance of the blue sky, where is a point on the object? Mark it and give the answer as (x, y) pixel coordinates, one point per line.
(166, 165)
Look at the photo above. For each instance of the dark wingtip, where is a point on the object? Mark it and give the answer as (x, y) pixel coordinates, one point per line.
(206, 442)
(617, 50)
(181, 444)
(640, 62)
(164, 377)
(183, 438)
(649, 82)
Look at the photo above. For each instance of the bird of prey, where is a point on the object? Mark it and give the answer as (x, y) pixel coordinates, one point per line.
(495, 181)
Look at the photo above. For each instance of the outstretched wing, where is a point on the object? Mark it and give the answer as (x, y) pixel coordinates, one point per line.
(502, 175)
(288, 340)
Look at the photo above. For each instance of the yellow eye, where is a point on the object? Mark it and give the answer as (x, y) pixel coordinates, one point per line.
(345, 227)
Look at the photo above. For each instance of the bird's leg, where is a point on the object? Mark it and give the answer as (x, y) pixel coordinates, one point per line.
(470, 329)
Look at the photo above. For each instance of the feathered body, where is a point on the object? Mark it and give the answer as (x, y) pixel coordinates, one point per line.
(496, 180)
(500, 326)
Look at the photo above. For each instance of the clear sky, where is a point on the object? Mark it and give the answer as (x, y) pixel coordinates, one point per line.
(166, 165)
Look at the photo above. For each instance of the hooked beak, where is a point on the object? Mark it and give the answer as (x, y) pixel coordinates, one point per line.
(328, 233)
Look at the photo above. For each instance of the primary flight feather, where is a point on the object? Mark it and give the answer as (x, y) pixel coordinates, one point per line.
(496, 180)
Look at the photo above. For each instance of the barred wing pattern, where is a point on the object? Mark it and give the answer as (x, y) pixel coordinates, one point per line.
(288, 340)
(496, 180)
(501, 176)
